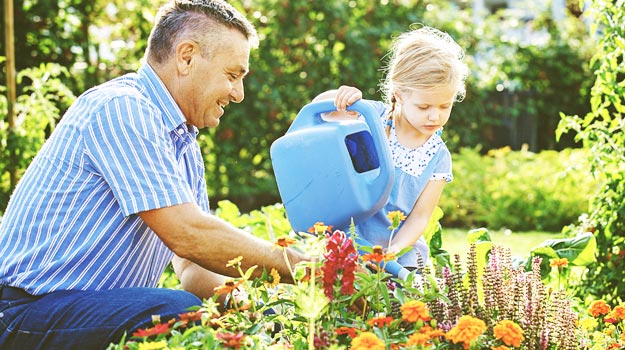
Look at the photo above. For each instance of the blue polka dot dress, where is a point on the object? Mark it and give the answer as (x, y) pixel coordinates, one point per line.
(413, 169)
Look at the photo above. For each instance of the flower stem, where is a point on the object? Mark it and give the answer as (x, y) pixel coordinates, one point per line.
(311, 321)
(288, 264)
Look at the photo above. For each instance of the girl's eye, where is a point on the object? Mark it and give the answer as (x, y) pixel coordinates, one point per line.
(423, 107)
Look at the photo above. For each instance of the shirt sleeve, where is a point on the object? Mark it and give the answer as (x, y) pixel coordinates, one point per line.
(130, 147)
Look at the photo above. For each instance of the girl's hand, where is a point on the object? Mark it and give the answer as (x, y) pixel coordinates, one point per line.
(346, 96)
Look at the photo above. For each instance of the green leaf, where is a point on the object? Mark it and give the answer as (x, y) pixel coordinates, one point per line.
(433, 225)
(478, 235)
(579, 250)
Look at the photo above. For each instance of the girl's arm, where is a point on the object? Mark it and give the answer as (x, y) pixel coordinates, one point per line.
(419, 217)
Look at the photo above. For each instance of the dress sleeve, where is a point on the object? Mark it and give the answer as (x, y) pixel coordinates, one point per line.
(443, 170)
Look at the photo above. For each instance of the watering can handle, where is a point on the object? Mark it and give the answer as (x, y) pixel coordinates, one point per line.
(314, 109)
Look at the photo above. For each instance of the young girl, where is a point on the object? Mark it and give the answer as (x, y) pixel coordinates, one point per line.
(424, 77)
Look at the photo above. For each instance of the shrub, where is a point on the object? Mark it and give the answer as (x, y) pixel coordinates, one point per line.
(602, 133)
(518, 190)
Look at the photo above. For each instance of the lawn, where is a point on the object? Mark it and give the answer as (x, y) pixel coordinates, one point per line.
(520, 243)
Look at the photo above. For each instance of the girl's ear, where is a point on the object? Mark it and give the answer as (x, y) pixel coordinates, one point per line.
(398, 96)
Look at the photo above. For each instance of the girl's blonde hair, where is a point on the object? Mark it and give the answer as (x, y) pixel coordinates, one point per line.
(424, 59)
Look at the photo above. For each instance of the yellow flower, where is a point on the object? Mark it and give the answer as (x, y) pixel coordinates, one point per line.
(466, 331)
(319, 228)
(588, 324)
(501, 347)
(559, 262)
(509, 332)
(153, 345)
(273, 278)
(367, 341)
(415, 310)
(234, 262)
(396, 217)
(598, 308)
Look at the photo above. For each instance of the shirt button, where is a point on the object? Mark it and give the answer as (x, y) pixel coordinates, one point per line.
(180, 131)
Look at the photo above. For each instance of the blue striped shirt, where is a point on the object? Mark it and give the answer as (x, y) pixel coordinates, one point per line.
(122, 148)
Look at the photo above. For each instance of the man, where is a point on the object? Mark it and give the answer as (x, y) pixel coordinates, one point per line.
(118, 192)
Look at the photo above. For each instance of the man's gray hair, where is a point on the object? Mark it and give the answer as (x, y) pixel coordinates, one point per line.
(199, 20)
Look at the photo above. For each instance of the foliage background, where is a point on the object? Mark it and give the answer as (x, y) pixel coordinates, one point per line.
(515, 93)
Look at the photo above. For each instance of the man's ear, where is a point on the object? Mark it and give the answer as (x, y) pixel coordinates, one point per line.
(186, 52)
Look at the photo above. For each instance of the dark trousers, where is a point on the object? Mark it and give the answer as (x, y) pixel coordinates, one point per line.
(83, 320)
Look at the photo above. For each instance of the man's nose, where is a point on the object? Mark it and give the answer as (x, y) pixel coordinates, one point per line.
(237, 94)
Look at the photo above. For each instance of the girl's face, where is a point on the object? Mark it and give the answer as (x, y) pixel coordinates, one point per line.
(425, 111)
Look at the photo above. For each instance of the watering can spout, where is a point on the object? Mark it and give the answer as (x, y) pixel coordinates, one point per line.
(332, 171)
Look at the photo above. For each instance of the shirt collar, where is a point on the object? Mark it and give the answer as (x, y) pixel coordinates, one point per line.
(172, 115)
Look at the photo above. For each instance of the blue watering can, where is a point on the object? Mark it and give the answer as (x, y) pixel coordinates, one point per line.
(332, 171)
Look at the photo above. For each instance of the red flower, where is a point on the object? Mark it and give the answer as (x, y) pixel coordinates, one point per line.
(340, 259)
(160, 328)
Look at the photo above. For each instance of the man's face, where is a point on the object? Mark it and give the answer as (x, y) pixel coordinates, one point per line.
(214, 82)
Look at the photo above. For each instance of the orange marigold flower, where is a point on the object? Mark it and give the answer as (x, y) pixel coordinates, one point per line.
(160, 328)
(501, 347)
(598, 308)
(509, 332)
(350, 331)
(380, 321)
(421, 339)
(559, 262)
(618, 313)
(377, 256)
(466, 331)
(367, 341)
(425, 336)
(415, 310)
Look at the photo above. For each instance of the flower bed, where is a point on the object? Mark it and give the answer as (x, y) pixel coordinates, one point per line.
(345, 300)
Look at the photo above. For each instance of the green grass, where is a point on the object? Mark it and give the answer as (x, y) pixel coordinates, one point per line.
(520, 243)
